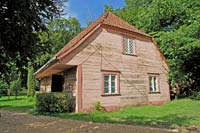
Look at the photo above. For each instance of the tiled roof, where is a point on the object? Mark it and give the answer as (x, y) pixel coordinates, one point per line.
(106, 19)
(115, 21)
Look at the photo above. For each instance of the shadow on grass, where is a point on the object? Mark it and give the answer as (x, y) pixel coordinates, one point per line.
(12, 99)
(169, 121)
(26, 108)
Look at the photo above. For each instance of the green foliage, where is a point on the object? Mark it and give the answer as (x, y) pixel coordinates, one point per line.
(195, 96)
(3, 88)
(98, 106)
(30, 82)
(15, 85)
(18, 41)
(3, 85)
(60, 32)
(52, 103)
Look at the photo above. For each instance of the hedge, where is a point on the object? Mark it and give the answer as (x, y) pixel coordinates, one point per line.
(53, 103)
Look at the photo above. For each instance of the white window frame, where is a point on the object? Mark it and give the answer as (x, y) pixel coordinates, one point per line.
(110, 83)
(128, 46)
(153, 83)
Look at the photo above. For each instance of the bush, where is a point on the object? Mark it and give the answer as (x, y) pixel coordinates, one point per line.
(3, 88)
(195, 96)
(52, 103)
(15, 85)
(22, 91)
(98, 106)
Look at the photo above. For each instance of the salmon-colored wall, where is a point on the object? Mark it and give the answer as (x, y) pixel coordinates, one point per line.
(70, 80)
(103, 51)
(45, 84)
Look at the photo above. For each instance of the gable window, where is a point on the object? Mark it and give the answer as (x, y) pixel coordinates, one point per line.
(128, 46)
(153, 82)
(110, 83)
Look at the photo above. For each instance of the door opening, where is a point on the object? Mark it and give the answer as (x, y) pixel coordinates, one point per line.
(57, 83)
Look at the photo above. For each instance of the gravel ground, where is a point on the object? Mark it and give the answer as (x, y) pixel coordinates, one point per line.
(11, 122)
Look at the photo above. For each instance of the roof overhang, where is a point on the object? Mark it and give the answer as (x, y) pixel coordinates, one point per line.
(53, 69)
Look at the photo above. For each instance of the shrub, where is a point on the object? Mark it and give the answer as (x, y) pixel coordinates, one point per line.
(16, 85)
(3, 88)
(52, 103)
(98, 106)
(195, 96)
(22, 91)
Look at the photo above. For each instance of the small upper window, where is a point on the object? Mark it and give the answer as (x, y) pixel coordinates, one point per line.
(153, 83)
(128, 46)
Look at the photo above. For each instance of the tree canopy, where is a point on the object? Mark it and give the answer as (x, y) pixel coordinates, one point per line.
(60, 32)
(18, 21)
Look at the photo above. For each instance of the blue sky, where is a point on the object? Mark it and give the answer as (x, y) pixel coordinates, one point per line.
(87, 10)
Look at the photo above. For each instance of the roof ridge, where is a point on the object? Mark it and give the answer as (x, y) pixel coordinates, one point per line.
(107, 18)
(130, 27)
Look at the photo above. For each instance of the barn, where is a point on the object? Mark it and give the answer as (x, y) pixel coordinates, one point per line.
(110, 62)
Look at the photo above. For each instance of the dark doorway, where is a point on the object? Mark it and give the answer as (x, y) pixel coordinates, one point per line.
(57, 83)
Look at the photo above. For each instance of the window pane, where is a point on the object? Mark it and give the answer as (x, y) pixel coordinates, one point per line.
(106, 78)
(113, 90)
(110, 83)
(113, 78)
(153, 83)
(106, 90)
(150, 84)
(130, 46)
(125, 45)
(106, 83)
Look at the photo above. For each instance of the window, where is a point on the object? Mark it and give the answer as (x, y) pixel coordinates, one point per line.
(128, 46)
(110, 83)
(153, 83)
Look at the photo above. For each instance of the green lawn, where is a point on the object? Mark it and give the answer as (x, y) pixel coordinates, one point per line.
(21, 104)
(184, 112)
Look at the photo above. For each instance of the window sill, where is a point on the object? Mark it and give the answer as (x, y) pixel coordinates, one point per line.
(154, 92)
(129, 54)
(104, 95)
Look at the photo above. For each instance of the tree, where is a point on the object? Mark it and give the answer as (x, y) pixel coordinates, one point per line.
(18, 21)
(30, 82)
(60, 32)
(16, 85)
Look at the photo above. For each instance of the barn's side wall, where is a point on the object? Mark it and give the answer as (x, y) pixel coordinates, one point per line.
(70, 79)
(103, 51)
(45, 84)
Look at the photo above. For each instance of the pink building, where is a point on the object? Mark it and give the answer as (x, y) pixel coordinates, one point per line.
(111, 62)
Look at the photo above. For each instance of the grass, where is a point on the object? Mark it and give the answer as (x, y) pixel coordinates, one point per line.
(177, 113)
(184, 112)
(21, 104)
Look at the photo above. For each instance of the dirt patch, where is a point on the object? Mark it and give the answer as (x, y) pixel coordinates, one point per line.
(11, 122)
